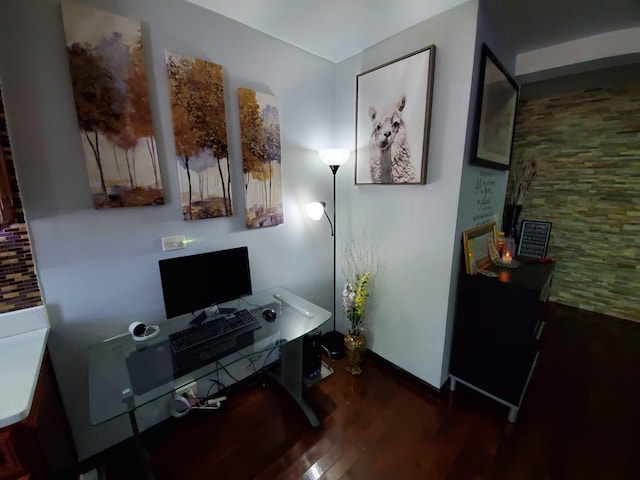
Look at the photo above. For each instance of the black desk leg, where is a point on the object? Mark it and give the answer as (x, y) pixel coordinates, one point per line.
(143, 453)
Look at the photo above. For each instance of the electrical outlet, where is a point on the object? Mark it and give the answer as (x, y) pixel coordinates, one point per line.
(188, 390)
(174, 243)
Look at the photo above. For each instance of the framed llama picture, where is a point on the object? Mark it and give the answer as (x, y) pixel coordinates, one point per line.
(495, 113)
(393, 115)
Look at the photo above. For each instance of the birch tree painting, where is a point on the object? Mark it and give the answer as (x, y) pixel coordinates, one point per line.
(200, 135)
(112, 105)
(261, 157)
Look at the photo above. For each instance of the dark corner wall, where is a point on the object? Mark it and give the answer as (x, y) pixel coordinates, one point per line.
(18, 282)
(588, 184)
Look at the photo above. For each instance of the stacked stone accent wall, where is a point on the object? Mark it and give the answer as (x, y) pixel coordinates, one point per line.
(18, 282)
(588, 185)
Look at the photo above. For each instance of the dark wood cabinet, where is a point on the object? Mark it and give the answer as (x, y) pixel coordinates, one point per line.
(40, 446)
(497, 330)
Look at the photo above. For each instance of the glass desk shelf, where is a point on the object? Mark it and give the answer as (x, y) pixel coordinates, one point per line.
(125, 375)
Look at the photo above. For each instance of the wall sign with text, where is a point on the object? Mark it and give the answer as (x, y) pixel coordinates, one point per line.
(534, 239)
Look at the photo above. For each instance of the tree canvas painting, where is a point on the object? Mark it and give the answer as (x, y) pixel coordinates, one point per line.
(261, 156)
(200, 135)
(112, 105)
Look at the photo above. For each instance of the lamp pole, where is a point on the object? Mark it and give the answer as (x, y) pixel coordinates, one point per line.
(333, 341)
(334, 170)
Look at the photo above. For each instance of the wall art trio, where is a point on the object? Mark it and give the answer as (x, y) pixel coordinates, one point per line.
(114, 115)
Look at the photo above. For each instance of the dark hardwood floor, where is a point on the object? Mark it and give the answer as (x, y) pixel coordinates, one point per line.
(580, 420)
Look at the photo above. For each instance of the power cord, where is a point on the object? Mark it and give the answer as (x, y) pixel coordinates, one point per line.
(210, 404)
(181, 405)
(214, 382)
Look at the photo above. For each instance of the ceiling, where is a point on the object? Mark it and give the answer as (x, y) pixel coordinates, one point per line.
(339, 29)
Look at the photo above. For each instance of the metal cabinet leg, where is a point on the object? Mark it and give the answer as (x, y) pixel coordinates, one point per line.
(291, 376)
(452, 384)
(143, 453)
(513, 414)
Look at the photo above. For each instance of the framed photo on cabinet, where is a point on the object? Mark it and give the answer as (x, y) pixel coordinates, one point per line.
(476, 246)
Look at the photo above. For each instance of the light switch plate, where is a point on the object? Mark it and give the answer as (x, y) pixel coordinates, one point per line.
(174, 243)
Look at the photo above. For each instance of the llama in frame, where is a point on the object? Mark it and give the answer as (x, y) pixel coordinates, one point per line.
(390, 155)
(393, 112)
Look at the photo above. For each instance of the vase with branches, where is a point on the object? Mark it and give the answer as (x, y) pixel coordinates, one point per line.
(523, 171)
(360, 269)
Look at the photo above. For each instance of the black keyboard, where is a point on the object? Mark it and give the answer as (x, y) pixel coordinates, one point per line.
(218, 329)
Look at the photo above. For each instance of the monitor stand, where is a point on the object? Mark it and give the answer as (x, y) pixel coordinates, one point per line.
(225, 310)
(198, 319)
(333, 344)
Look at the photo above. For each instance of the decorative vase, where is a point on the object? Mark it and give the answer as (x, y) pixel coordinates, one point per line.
(356, 345)
(510, 221)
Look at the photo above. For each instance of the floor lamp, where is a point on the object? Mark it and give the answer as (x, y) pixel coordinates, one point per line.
(333, 341)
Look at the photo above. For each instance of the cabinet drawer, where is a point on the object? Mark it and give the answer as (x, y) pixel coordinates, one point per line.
(501, 372)
(537, 331)
(40, 446)
(498, 311)
(10, 466)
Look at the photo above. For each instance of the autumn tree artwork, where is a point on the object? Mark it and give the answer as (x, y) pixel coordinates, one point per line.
(112, 105)
(200, 135)
(261, 157)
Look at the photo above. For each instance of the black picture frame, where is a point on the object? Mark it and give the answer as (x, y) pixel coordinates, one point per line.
(496, 107)
(534, 238)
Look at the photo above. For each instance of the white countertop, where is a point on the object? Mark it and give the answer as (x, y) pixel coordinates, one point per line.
(23, 341)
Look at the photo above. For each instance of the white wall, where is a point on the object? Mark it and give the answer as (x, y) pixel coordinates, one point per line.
(482, 190)
(413, 227)
(98, 269)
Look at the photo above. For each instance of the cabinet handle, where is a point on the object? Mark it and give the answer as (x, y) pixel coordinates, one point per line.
(539, 328)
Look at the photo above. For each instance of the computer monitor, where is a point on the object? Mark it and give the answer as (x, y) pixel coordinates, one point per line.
(195, 282)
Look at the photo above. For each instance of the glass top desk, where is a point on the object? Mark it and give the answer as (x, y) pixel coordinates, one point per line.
(114, 389)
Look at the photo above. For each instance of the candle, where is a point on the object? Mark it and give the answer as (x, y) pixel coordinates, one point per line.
(506, 257)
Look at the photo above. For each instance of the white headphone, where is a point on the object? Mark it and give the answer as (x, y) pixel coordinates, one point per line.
(179, 406)
(141, 332)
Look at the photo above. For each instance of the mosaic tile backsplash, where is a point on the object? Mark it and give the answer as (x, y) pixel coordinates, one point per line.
(18, 282)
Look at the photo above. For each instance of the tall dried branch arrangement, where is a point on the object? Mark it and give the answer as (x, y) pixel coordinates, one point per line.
(359, 258)
(523, 171)
(360, 269)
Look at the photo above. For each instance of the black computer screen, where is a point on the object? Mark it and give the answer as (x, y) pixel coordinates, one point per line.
(199, 281)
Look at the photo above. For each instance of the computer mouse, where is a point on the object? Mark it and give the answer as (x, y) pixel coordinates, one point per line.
(269, 314)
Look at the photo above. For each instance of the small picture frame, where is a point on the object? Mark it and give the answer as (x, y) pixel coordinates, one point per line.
(534, 238)
(476, 246)
(496, 108)
(393, 115)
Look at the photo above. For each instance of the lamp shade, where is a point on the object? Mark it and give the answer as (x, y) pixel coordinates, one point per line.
(315, 210)
(334, 156)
